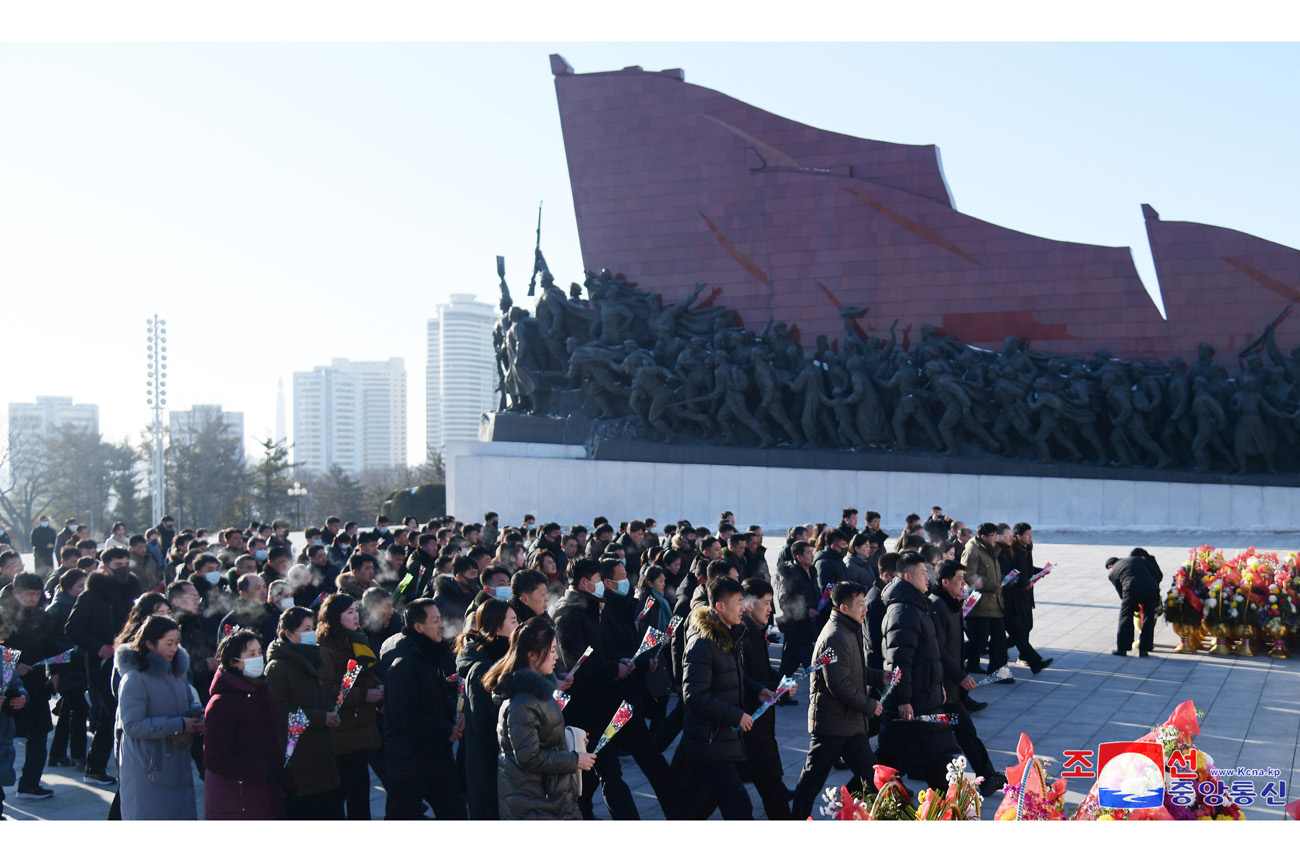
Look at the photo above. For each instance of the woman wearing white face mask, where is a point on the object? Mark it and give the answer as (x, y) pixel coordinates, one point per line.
(243, 758)
(293, 671)
(478, 649)
(280, 594)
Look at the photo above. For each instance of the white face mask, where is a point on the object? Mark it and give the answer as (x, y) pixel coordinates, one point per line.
(307, 638)
(253, 667)
(502, 593)
(286, 603)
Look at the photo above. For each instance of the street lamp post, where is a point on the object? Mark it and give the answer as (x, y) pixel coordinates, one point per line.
(156, 398)
(297, 491)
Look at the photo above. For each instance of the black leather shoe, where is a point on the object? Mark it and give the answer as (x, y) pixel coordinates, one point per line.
(1143, 654)
(1119, 652)
(974, 706)
(1041, 666)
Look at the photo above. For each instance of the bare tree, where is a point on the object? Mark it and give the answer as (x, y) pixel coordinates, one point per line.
(25, 492)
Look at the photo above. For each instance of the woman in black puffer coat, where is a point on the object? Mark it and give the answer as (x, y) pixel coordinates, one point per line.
(477, 650)
(536, 776)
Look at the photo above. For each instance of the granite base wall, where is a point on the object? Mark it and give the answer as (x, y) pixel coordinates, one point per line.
(560, 482)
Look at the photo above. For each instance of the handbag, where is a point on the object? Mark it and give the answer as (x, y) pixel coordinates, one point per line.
(575, 740)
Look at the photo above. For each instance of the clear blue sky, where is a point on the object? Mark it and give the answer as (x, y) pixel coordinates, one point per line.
(282, 204)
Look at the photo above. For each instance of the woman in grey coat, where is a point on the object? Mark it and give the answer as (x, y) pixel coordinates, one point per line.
(535, 772)
(157, 714)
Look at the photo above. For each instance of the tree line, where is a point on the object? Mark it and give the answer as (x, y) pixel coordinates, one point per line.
(74, 472)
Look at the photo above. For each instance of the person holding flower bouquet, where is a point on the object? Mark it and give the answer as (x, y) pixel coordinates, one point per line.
(536, 774)
(762, 764)
(341, 641)
(244, 763)
(1137, 587)
(840, 703)
(293, 672)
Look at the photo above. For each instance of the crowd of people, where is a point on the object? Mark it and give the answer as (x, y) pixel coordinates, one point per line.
(473, 667)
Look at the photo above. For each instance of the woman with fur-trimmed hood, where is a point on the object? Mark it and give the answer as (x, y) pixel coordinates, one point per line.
(537, 776)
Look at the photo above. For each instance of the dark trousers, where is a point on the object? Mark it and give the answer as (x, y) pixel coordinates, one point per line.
(797, 648)
(354, 784)
(608, 773)
(971, 744)
(103, 709)
(667, 730)
(1019, 625)
(636, 742)
(70, 729)
(34, 762)
(406, 799)
(321, 806)
(986, 631)
(1129, 606)
(822, 753)
(716, 780)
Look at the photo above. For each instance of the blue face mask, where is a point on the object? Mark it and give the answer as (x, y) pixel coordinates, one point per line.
(502, 593)
(623, 586)
(599, 591)
(261, 554)
(307, 638)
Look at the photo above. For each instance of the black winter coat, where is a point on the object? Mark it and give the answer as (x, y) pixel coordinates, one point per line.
(30, 631)
(946, 613)
(1018, 597)
(840, 705)
(480, 738)
(420, 713)
(762, 756)
(875, 625)
(860, 571)
(1133, 580)
(796, 594)
(452, 601)
(593, 696)
(714, 689)
(72, 675)
(829, 568)
(912, 646)
(687, 602)
(97, 616)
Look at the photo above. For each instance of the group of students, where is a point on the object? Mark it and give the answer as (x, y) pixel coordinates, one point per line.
(473, 668)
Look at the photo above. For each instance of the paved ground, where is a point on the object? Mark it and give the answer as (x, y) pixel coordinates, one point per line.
(1088, 696)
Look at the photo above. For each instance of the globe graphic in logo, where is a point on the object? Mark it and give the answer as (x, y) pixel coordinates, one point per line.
(1131, 781)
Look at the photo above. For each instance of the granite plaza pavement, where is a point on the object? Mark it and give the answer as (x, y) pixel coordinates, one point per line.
(1088, 696)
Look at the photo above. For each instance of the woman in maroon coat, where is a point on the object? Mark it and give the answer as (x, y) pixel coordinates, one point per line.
(244, 761)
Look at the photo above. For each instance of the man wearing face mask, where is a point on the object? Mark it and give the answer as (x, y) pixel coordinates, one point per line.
(277, 565)
(43, 537)
(453, 595)
(618, 621)
(593, 697)
(339, 550)
(97, 616)
(496, 584)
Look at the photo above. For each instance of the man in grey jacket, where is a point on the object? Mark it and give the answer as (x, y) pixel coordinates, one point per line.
(840, 704)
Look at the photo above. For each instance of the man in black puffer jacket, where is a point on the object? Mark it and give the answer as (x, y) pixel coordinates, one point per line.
(839, 703)
(97, 616)
(618, 619)
(912, 646)
(420, 712)
(715, 690)
(593, 697)
(945, 610)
